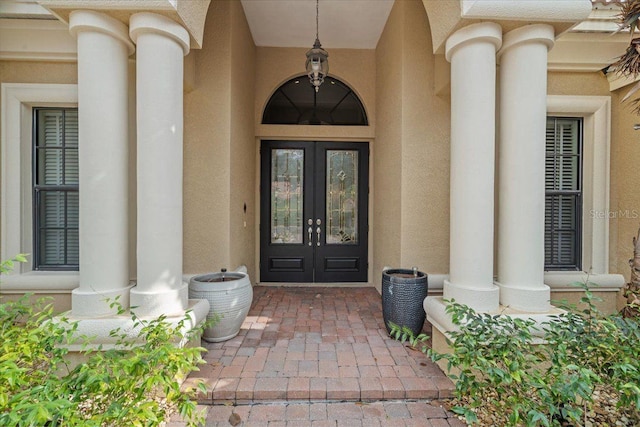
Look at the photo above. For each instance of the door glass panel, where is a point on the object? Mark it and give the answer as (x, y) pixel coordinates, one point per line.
(287, 181)
(342, 197)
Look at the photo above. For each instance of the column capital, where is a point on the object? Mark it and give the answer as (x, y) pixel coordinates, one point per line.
(191, 14)
(539, 33)
(146, 22)
(485, 31)
(89, 20)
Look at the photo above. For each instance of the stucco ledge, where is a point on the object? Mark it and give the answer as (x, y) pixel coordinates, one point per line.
(436, 309)
(39, 282)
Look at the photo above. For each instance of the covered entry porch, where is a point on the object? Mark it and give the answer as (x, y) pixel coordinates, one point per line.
(317, 343)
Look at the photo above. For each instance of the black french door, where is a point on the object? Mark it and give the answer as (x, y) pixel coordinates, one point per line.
(314, 211)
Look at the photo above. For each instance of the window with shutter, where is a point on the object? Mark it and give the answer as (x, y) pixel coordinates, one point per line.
(563, 191)
(55, 189)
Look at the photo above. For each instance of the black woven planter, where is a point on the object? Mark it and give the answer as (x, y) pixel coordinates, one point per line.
(403, 294)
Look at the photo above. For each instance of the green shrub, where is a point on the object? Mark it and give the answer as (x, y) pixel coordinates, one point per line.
(404, 333)
(135, 384)
(528, 374)
(607, 345)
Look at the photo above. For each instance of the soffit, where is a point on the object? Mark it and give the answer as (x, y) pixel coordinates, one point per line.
(355, 24)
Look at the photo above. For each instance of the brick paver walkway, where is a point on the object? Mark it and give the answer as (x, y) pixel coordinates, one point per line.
(321, 354)
(393, 413)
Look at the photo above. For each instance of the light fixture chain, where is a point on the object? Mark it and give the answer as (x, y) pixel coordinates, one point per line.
(317, 64)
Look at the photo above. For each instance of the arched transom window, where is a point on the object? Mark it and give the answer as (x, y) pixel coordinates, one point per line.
(297, 103)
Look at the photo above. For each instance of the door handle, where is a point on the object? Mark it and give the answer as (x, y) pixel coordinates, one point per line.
(318, 230)
(310, 230)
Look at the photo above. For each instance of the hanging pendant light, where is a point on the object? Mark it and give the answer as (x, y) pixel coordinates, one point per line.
(317, 59)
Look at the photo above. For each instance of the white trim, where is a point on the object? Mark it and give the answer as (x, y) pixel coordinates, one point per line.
(136, 5)
(565, 281)
(17, 100)
(603, 18)
(558, 281)
(49, 282)
(596, 111)
(545, 11)
(23, 8)
(586, 52)
(36, 40)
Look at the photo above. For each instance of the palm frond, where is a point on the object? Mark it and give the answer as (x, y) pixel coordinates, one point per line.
(628, 64)
(633, 90)
(629, 15)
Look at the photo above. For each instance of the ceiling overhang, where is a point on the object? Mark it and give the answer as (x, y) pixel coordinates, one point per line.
(352, 24)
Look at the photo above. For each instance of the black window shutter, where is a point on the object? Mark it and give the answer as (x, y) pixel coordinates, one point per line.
(563, 190)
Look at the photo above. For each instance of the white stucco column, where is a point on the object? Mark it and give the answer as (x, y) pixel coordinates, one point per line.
(161, 46)
(103, 49)
(472, 53)
(523, 110)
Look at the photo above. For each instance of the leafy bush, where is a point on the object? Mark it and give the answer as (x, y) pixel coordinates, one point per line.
(135, 384)
(404, 333)
(607, 345)
(528, 374)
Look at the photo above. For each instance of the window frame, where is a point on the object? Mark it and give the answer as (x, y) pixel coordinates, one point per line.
(16, 235)
(578, 201)
(38, 189)
(596, 114)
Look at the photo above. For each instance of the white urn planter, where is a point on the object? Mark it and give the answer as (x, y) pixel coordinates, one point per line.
(230, 295)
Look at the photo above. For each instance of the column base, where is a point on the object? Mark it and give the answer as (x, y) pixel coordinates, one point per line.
(94, 304)
(99, 329)
(167, 302)
(530, 298)
(435, 307)
(480, 298)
